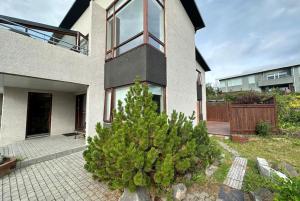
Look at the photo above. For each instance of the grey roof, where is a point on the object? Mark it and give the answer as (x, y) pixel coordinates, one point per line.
(259, 70)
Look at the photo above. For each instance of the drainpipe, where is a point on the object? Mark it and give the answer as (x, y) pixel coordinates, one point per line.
(294, 77)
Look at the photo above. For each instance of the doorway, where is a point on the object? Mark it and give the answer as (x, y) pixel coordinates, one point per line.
(80, 113)
(38, 114)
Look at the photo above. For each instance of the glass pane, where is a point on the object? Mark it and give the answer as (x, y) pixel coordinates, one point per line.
(109, 33)
(120, 3)
(156, 44)
(157, 93)
(155, 90)
(129, 21)
(128, 46)
(156, 20)
(120, 94)
(108, 105)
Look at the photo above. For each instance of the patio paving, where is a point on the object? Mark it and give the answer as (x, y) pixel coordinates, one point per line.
(218, 128)
(63, 178)
(37, 150)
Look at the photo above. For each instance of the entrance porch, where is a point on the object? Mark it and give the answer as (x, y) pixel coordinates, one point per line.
(35, 107)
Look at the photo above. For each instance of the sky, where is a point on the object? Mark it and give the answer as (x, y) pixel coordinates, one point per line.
(240, 35)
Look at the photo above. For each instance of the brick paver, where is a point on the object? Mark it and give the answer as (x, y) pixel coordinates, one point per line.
(236, 173)
(42, 149)
(63, 178)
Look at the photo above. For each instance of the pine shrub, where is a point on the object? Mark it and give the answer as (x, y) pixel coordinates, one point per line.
(143, 148)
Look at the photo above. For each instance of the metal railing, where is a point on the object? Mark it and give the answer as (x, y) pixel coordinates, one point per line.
(68, 39)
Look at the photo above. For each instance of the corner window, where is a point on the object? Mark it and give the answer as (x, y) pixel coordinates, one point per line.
(126, 21)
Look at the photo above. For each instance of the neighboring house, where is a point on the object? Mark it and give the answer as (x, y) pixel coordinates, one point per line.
(285, 78)
(74, 77)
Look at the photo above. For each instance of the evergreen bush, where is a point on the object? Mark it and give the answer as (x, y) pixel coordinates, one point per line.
(143, 148)
(263, 128)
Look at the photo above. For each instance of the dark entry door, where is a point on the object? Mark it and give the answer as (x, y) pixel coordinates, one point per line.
(39, 114)
(80, 112)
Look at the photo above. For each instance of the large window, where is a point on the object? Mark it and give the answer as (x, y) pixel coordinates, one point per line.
(277, 75)
(235, 82)
(113, 96)
(251, 79)
(131, 23)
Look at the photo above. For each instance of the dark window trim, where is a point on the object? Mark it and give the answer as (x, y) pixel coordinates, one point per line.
(113, 94)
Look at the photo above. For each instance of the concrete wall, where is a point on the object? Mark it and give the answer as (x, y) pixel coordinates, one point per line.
(63, 113)
(25, 56)
(14, 116)
(181, 60)
(14, 111)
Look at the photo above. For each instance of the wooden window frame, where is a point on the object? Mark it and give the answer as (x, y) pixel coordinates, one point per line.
(112, 99)
(110, 54)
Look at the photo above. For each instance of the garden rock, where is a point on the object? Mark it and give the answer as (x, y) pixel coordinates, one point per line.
(179, 191)
(141, 194)
(188, 176)
(210, 170)
(263, 167)
(289, 169)
(262, 194)
(199, 196)
(266, 171)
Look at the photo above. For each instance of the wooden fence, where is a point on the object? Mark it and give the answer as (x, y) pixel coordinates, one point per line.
(243, 118)
(218, 111)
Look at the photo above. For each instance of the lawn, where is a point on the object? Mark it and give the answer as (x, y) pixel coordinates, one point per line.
(273, 149)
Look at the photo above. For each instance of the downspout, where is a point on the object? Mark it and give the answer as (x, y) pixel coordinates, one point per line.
(294, 78)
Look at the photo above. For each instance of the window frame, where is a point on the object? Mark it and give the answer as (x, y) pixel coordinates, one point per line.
(113, 95)
(110, 54)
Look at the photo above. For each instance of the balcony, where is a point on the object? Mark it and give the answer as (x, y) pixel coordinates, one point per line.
(278, 81)
(72, 40)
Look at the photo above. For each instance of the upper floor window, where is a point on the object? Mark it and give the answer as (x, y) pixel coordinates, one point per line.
(251, 79)
(222, 84)
(274, 76)
(131, 23)
(235, 82)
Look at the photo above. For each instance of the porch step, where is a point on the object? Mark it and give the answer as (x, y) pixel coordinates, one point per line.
(28, 162)
(236, 173)
(32, 151)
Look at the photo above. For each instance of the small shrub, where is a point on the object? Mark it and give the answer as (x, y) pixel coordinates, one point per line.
(145, 149)
(287, 189)
(263, 129)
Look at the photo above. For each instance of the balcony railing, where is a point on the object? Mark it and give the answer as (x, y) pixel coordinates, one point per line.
(72, 40)
(279, 81)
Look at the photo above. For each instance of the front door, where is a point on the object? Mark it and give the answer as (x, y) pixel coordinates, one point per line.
(39, 114)
(80, 113)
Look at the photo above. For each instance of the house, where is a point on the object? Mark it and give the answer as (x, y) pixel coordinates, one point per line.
(285, 78)
(55, 80)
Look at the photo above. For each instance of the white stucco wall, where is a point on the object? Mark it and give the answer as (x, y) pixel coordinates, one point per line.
(14, 111)
(15, 114)
(25, 56)
(181, 60)
(63, 113)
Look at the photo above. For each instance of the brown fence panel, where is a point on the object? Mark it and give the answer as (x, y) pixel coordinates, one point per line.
(218, 111)
(244, 117)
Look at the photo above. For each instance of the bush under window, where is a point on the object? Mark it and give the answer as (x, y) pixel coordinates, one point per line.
(145, 149)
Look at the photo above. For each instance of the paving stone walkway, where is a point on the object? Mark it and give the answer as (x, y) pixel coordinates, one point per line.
(42, 149)
(236, 173)
(63, 178)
